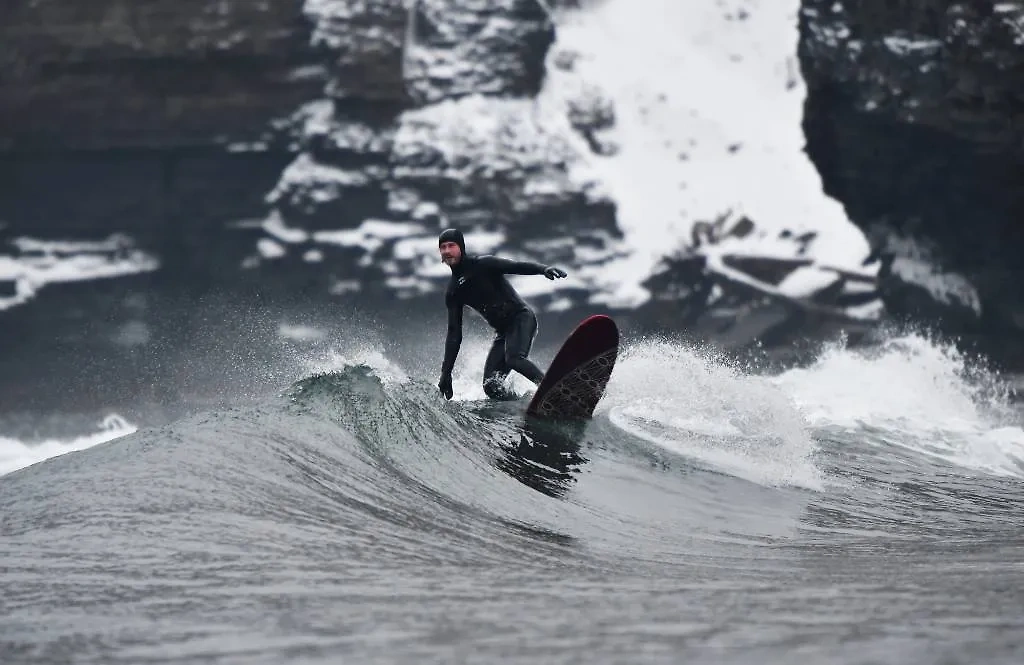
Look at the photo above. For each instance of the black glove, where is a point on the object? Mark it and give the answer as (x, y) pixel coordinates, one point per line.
(552, 272)
(445, 385)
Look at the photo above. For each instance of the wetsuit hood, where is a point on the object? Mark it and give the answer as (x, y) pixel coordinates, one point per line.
(453, 235)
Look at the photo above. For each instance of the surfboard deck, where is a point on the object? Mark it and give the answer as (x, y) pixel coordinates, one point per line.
(576, 380)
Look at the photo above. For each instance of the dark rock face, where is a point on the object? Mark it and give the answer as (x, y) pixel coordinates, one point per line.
(489, 161)
(464, 47)
(124, 116)
(915, 119)
(104, 74)
(951, 66)
(363, 46)
(207, 114)
(457, 140)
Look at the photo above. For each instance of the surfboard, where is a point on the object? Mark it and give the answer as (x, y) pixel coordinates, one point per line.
(576, 380)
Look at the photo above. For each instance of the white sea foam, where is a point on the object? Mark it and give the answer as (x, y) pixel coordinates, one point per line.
(913, 393)
(358, 353)
(689, 404)
(922, 395)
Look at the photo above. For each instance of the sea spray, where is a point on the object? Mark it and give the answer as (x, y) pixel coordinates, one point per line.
(688, 402)
(923, 395)
(707, 104)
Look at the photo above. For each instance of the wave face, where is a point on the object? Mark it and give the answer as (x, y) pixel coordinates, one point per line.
(867, 507)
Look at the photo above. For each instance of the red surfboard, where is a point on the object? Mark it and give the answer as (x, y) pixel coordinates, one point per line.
(579, 373)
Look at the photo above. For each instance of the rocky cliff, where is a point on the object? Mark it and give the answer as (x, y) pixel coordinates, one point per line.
(915, 118)
(173, 120)
(347, 131)
(460, 143)
(115, 74)
(119, 116)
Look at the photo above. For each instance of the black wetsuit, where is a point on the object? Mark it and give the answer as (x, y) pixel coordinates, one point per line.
(480, 283)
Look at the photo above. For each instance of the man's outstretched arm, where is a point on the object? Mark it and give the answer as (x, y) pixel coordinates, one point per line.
(452, 344)
(509, 267)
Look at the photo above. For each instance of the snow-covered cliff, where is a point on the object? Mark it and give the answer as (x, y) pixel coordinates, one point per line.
(695, 159)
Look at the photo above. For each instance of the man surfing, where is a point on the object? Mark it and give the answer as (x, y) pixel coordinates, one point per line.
(479, 282)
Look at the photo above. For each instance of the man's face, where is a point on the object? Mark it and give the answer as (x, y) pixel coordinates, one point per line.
(450, 253)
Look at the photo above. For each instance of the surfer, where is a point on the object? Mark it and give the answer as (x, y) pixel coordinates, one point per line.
(479, 282)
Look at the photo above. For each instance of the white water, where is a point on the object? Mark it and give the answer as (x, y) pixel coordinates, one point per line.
(689, 404)
(923, 396)
(17, 454)
(695, 79)
(468, 374)
(353, 355)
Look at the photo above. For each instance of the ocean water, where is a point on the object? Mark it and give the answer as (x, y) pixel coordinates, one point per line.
(865, 508)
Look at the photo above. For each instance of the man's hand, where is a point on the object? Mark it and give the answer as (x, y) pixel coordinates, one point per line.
(445, 385)
(552, 272)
